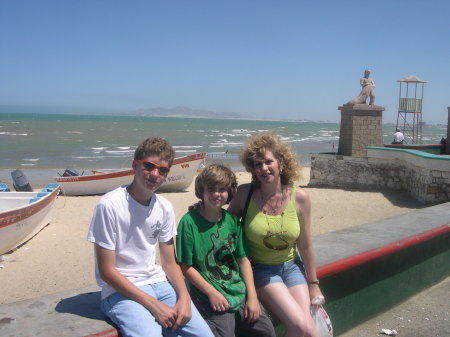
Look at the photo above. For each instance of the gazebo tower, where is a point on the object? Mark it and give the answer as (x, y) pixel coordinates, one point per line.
(409, 117)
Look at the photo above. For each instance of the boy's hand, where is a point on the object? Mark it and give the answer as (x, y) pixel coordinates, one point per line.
(252, 310)
(183, 311)
(165, 315)
(218, 301)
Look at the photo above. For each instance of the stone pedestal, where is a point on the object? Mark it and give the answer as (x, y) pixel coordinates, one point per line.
(361, 126)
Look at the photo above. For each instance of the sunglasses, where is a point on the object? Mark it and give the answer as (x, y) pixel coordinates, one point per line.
(150, 166)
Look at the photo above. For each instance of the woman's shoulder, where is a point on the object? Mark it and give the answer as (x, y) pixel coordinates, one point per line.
(237, 204)
(244, 187)
(243, 190)
(301, 195)
(228, 214)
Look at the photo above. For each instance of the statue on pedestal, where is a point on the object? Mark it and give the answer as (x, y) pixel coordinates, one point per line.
(367, 90)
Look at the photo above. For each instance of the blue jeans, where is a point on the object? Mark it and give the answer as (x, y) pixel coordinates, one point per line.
(135, 320)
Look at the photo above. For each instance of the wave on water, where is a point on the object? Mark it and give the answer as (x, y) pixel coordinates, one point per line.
(235, 134)
(226, 143)
(185, 151)
(84, 157)
(311, 139)
(119, 151)
(187, 146)
(8, 133)
(242, 131)
(30, 159)
(76, 132)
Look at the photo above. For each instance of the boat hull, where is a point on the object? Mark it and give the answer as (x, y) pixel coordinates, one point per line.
(180, 177)
(20, 220)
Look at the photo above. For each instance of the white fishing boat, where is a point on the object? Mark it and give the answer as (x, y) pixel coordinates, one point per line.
(180, 177)
(24, 214)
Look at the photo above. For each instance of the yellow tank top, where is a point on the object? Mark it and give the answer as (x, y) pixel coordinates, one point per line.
(272, 239)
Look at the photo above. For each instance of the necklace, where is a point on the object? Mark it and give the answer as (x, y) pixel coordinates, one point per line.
(277, 240)
(270, 207)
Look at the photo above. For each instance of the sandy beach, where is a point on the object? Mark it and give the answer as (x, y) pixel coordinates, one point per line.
(59, 258)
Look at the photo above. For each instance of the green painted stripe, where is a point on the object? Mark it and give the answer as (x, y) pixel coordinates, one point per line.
(412, 152)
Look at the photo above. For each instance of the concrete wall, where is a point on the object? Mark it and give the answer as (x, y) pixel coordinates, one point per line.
(425, 177)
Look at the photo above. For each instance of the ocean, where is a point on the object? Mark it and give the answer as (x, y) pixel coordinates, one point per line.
(41, 145)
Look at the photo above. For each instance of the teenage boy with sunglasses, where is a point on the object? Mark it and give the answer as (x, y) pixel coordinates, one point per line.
(141, 297)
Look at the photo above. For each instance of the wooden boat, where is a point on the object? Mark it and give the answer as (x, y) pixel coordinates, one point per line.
(180, 177)
(24, 214)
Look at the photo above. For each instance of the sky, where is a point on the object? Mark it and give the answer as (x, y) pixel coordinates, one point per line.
(268, 59)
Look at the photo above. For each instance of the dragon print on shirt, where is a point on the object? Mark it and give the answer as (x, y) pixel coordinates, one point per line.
(219, 260)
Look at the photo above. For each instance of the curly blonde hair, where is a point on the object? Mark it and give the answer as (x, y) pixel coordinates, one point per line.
(214, 174)
(256, 147)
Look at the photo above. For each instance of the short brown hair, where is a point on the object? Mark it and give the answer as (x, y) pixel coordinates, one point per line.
(256, 147)
(155, 146)
(214, 174)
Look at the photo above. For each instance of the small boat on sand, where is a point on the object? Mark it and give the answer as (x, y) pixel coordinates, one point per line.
(4, 187)
(24, 214)
(180, 177)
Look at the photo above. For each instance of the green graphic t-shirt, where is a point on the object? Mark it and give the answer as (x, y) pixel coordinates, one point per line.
(212, 248)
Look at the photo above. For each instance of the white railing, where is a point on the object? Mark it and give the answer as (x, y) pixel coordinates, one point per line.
(410, 105)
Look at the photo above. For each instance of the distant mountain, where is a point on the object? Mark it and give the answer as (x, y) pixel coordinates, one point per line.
(182, 111)
(179, 111)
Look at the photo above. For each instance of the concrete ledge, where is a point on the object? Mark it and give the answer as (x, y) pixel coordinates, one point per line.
(363, 271)
(69, 313)
(335, 246)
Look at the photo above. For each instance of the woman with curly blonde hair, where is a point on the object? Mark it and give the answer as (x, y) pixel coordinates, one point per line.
(277, 224)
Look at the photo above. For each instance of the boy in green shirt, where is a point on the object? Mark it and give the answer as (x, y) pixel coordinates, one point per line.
(210, 250)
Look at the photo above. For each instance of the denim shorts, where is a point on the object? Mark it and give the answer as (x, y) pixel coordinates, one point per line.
(291, 273)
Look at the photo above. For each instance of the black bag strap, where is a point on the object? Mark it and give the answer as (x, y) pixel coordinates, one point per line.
(247, 202)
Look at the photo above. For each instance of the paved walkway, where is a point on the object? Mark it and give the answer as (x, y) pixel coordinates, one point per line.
(425, 315)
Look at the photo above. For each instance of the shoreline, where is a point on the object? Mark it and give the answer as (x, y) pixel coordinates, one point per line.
(40, 177)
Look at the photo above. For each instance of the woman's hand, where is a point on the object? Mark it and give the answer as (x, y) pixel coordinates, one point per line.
(316, 295)
(252, 310)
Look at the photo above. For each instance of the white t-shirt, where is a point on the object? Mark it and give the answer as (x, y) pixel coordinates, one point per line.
(122, 224)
